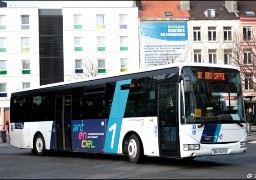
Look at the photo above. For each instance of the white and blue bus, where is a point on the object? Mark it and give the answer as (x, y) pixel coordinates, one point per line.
(182, 110)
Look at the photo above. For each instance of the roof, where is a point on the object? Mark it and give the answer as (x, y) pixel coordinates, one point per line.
(197, 9)
(244, 6)
(157, 9)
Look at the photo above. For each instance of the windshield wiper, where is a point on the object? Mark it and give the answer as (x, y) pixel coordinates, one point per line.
(201, 125)
(239, 124)
(204, 123)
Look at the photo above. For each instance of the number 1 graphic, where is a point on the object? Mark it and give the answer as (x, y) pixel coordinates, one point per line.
(113, 128)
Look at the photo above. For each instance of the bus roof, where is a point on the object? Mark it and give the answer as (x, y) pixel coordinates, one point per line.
(148, 69)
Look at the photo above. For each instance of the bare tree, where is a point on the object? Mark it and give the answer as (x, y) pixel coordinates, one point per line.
(89, 68)
(243, 55)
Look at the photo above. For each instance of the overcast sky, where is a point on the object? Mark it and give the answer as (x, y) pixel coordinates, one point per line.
(61, 4)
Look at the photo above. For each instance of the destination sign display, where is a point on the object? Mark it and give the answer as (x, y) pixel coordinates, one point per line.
(211, 75)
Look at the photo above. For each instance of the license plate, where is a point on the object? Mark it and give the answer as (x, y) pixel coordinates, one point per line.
(219, 151)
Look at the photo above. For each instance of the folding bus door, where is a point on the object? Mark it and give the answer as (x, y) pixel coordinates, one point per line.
(167, 113)
(63, 122)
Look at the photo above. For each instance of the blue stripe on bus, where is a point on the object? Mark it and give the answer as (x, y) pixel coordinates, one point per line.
(217, 132)
(115, 118)
(210, 133)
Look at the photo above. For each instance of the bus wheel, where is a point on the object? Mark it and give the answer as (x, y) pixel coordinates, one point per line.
(39, 145)
(134, 149)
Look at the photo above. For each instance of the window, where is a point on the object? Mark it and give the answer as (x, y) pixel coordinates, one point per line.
(142, 100)
(247, 57)
(101, 66)
(43, 107)
(248, 81)
(247, 33)
(25, 64)
(101, 43)
(78, 66)
(78, 43)
(211, 33)
(197, 56)
(123, 43)
(78, 21)
(249, 13)
(123, 21)
(2, 22)
(3, 70)
(100, 21)
(22, 108)
(3, 44)
(197, 33)
(227, 57)
(25, 44)
(212, 56)
(24, 21)
(3, 90)
(124, 64)
(227, 33)
(25, 85)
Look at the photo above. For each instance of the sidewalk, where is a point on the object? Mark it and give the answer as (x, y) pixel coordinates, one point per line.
(252, 136)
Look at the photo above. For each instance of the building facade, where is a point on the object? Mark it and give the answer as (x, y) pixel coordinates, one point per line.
(247, 49)
(164, 33)
(43, 46)
(104, 38)
(19, 53)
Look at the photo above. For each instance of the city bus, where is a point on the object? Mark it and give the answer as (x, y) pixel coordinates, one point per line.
(181, 110)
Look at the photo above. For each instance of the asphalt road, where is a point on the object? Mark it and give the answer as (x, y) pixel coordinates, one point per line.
(21, 164)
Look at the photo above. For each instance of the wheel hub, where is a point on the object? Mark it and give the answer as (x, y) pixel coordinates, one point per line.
(132, 148)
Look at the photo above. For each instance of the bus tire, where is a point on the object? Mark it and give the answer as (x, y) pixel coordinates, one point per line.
(39, 145)
(134, 149)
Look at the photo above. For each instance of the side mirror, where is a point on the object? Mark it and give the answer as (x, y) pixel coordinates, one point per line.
(187, 83)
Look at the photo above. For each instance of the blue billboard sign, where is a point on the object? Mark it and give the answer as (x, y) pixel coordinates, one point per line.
(168, 31)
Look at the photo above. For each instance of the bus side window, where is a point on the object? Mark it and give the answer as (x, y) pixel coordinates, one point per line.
(95, 106)
(78, 105)
(22, 109)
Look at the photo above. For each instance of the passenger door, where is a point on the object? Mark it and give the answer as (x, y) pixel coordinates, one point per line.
(63, 108)
(167, 113)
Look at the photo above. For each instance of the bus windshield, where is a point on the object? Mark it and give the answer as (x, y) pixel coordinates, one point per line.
(215, 97)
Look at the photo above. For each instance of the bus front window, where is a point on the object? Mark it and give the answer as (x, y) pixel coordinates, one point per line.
(216, 96)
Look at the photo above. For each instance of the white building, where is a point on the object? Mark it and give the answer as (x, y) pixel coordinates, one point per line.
(212, 40)
(214, 30)
(19, 53)
(107, 35)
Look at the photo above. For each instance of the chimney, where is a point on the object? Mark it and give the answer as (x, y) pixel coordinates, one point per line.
(184, 5)
(137, 4)
(231, 6)
(3, 4)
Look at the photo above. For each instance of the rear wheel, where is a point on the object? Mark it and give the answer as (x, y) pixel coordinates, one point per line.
(134, 149)
(39, 145)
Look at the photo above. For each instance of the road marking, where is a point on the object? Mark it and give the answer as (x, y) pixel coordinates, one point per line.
(252, 142)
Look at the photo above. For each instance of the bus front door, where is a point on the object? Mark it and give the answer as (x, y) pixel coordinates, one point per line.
(63, 123)
(167, 113)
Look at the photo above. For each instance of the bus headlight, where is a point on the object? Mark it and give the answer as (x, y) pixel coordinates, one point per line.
(243, 144)
(191, 147)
